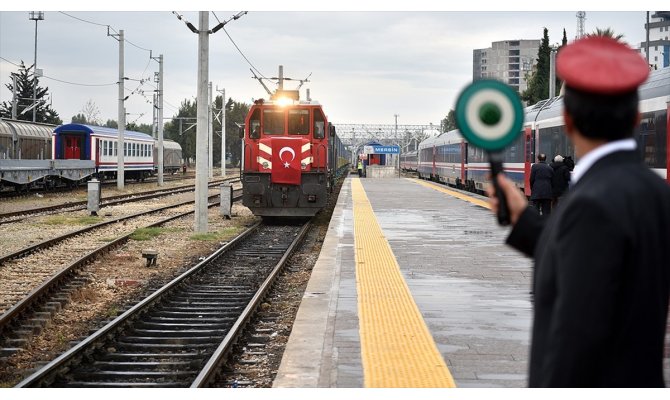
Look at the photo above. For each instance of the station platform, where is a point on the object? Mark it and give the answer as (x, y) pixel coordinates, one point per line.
(414, 287)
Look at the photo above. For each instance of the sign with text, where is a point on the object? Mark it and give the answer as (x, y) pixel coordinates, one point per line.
(379, 149)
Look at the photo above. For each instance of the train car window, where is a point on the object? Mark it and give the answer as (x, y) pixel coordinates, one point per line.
(273, 121)
(319, 125)
(125, 149)
(298, 121)
(651, 136)
(116, 149)
(553, 141)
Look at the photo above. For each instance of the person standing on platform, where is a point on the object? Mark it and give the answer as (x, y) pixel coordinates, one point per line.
(602, 260)
(541, 176)
(360, 168)
(560, 179)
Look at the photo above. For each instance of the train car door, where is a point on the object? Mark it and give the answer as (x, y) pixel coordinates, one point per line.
(72, 148)
(434, 173)
(528, 158)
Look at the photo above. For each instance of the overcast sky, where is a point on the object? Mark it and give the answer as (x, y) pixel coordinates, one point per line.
(365, 65)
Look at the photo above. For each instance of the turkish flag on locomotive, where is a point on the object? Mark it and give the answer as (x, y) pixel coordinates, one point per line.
(286, 157)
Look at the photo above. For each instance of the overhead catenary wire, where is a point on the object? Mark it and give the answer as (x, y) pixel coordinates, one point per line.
(61, 80)
(104, 25)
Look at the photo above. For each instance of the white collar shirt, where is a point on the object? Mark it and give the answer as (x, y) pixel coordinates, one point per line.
(590, 158)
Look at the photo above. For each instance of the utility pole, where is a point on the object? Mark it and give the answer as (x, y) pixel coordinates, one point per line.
(35, 16)
(552, 73)
(223, 134)
(14, 96)
(120, 175)
(201, 161)
(210, 131)
(201, 140)
(159, 96)
(223, 131)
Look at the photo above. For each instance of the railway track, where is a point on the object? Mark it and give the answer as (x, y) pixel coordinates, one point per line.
(46, 286)
(181, 334)
(15, 194)
(16, 216)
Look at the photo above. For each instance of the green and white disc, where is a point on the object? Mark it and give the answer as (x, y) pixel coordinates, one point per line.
(489, 114)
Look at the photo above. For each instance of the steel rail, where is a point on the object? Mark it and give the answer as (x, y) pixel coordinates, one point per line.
(81, 347)
(55, 281)
(109, 201)
(221, 354)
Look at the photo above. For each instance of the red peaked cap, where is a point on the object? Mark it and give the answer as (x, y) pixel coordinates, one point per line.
(601, 65)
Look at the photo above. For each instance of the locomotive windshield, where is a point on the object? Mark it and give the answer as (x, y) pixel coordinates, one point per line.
(298, 121)
(273, 121)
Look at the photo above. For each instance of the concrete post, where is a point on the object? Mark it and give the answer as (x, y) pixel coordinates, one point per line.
(120, 174)
(210, 131)
(94, 196)
(159, 157)
(201, 162)
(226, 200)
(223, 136)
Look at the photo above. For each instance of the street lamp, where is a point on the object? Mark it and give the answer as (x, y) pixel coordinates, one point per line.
(35, 16)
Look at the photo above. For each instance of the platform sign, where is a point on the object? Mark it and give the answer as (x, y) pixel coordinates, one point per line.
(489, 114)
(380, 149)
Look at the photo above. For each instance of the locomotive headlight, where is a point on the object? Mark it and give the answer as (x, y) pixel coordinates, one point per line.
(284, 101)
(266, 165)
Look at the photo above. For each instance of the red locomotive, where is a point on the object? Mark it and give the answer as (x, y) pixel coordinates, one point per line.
(290, 156)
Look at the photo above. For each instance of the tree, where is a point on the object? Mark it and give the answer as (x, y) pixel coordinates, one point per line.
(607, 32)
(91, 112)
(565, 39)
(449, 122)
(538, 81)
(79, 119)
(182, 130)
(25, 82)
(144, 128)
(236, 112)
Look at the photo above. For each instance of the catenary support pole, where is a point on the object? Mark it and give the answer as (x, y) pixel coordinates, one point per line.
(201, 161)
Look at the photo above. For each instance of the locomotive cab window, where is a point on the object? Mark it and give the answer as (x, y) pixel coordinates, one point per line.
(298, 121)
(255, 125)
(319, 125)
(273, 122)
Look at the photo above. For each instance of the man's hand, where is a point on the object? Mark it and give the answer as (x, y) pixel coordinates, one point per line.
(516, 201)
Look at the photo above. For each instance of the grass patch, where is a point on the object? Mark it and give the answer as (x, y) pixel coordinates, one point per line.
(146, 233)
(224, 234)
(204, 236)
(62, 220)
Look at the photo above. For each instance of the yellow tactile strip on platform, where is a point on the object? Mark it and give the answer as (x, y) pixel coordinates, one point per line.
(456, 194)
(396, 345)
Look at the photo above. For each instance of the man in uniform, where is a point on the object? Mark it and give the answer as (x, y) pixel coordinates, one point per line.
(602, 260)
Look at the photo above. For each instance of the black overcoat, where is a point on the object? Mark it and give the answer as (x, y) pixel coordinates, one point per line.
(601, 279)
(541, 175)
(561, 178)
